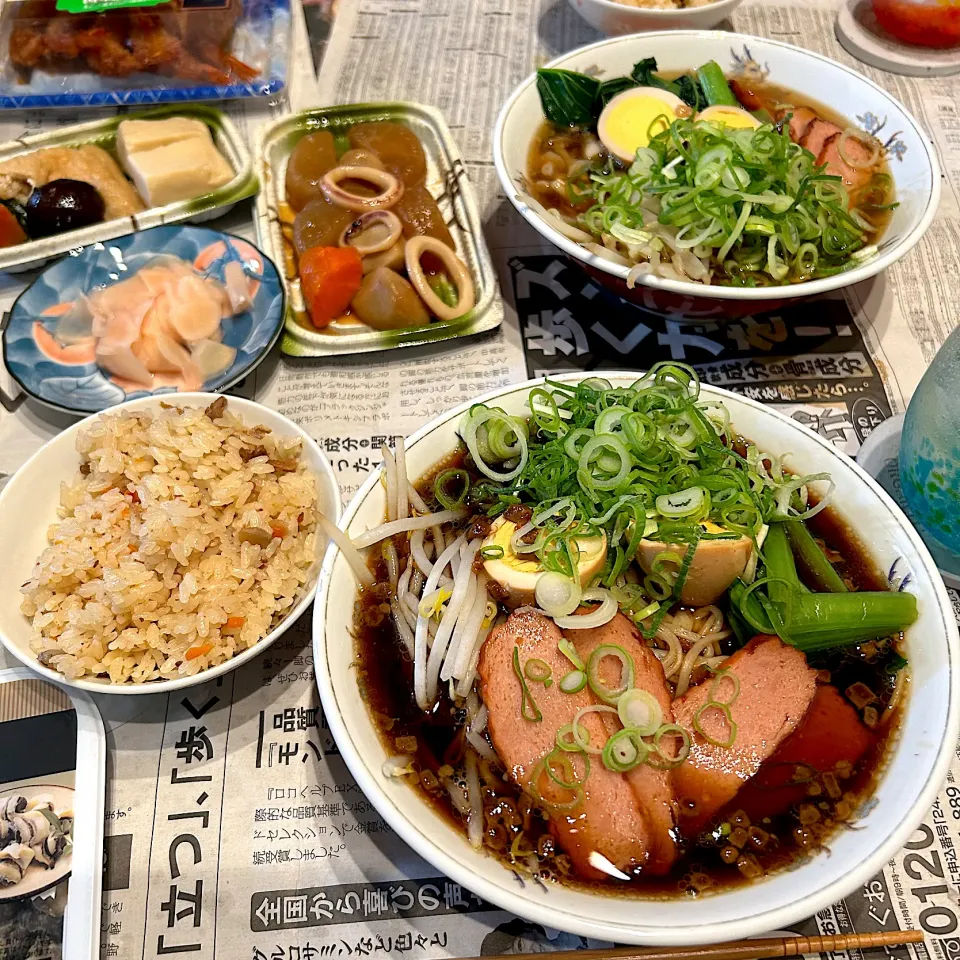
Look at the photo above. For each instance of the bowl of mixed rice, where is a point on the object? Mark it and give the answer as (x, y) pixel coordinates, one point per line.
(618, 17)
(162, 543)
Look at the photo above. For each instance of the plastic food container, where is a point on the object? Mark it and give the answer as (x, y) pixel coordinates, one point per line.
(51, 819)
(72, 53)
(447, 182)
(103, 133)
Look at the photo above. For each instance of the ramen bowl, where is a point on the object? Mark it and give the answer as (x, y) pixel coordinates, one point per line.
(911, 158)
(910, 779)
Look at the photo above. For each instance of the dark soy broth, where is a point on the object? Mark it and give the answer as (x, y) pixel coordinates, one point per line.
(515, 830)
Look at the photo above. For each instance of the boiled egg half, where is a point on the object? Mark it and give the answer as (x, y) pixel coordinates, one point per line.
(734, 117)
(630, 119)
(518, 573)
(715, 565)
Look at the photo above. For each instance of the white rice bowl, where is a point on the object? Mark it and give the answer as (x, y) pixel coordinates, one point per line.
(180, 545)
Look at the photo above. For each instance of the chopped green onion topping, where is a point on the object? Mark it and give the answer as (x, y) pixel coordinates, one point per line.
(551, 805)
(733, 682)
(650, 460)
(492, 552)
(451, 488)
(683, 503)
(573, 682)
(731, 726)
(581, 734)
(570, 652)
(663, 760)
(528, 706)
(559, 758)
(537, 670)
(640, 711)
(751, 202)
(624, 751)
(567, 741)
(627, 672)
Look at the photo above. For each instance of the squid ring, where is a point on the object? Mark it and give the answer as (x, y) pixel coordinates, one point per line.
(391, 189)
(459, 274)
(354, 233)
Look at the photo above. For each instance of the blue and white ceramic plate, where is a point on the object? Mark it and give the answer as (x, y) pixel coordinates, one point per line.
(65, 375)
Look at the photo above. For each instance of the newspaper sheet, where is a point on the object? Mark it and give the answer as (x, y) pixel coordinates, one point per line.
(233, 827)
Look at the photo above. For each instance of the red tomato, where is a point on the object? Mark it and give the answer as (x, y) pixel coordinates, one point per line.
(927, 23)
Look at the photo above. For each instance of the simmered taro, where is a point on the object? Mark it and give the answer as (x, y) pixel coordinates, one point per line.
(387, 302)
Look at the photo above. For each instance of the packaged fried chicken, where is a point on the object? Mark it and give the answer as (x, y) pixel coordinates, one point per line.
(90, 52)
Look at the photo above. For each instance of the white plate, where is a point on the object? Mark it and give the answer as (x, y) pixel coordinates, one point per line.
(81, 922)
(28, 505)
(915, 170)
(913, 773)
(37, 877)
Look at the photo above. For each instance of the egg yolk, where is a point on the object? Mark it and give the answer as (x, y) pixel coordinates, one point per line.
(629, 124)
(732, 117)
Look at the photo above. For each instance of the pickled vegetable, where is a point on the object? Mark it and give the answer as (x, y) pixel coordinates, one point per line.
(329, 279)
(396, 145)
(312, 157)
(420, 216)
(62, 205)
(386, 301)
(319, 224)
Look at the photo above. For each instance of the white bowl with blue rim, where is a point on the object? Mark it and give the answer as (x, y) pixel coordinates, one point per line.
(71, 380)
(912, 159)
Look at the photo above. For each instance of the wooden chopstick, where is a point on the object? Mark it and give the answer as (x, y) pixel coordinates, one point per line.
(743, 949)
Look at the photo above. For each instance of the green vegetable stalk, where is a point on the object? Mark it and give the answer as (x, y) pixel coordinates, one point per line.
(715, 86)
(819, 568)
(822, 621)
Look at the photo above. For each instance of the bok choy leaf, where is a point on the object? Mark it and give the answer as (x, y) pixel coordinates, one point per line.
(568, 98)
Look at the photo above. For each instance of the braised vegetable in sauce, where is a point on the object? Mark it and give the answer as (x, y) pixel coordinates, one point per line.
(364, 189)
(670, 726)
(314, 156)
(330, 278)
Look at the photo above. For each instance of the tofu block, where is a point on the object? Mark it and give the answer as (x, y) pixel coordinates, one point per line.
(136, 136)
(171, 160)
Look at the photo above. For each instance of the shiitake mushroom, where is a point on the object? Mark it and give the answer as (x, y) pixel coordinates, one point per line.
(62, 205)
